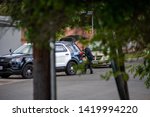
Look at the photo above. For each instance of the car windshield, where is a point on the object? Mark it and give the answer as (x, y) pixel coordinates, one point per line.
(24, 49)
(27, 49)
(95, 46)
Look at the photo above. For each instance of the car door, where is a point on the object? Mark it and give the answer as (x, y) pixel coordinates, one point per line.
(62, 56)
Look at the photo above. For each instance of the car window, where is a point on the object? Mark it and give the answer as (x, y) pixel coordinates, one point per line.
(24, 49)
(70, 48)
(31, 50)
(73, 48)
(76, 48)
(60, 48)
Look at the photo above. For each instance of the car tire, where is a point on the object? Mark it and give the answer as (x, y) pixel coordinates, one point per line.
(70, 70)
(27, 71)
(5, 75)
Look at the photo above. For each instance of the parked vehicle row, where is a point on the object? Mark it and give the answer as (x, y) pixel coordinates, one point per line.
(20, 62)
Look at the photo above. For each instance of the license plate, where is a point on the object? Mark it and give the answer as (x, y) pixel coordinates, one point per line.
(1, 67)
(95, 62)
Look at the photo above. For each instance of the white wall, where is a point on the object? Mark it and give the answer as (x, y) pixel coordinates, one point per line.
(10, 37)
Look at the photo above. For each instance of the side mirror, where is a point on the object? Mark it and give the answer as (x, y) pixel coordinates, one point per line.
(10, 50)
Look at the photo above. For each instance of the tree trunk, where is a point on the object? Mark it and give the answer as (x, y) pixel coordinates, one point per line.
(41, 74)
(120, 81)
(122, 69)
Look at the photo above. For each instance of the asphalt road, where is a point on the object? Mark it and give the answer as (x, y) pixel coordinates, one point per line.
(77, 87)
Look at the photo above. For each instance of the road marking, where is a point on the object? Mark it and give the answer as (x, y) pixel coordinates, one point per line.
(9, 81)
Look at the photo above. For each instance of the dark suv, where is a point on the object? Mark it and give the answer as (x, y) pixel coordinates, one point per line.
(20, 62)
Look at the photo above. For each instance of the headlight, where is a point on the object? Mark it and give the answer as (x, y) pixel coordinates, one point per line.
(17, 60)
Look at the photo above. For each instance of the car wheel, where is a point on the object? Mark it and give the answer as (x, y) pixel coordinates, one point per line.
(70, 69)
(5, 75)
(27, 71)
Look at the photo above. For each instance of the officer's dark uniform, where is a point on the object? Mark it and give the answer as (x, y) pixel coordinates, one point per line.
(90, 57)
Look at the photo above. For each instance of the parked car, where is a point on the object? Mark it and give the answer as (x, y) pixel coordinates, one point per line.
(100, 59)
(20, 62)
(68, 55)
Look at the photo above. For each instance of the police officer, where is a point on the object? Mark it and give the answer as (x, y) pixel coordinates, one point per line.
(89, 57)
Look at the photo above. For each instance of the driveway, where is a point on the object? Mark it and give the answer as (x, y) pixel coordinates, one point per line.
(77, 87)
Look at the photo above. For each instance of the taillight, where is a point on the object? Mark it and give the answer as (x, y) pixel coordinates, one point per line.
(81, 55)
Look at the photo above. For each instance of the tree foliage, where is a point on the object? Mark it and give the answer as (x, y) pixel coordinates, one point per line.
(41, 19)
(116, 23)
